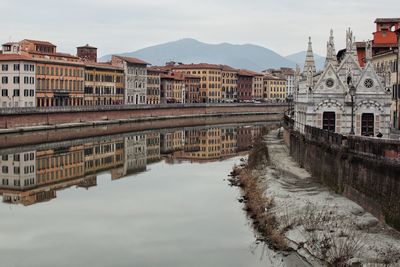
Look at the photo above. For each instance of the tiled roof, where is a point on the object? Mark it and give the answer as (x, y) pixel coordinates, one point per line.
(87, 46)
(133, 60)
(197, 66)
(11, 57)
(244, 72)
(53, 54)
(387, 20)
(102, 65)
(39, 42)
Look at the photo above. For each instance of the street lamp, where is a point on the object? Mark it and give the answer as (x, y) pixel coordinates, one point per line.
(352, 92)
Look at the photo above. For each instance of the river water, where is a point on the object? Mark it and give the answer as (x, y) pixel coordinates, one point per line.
(152, 198)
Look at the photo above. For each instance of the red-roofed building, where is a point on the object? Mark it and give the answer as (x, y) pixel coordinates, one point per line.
(245, 85)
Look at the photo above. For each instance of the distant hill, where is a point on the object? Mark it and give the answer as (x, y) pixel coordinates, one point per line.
(245, 56)
(300, 57)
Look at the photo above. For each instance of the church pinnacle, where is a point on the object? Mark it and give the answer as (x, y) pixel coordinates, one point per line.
(330, 51)
(309, 65)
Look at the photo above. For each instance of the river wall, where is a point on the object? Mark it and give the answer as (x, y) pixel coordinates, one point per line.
(366, 170)
(81, 116)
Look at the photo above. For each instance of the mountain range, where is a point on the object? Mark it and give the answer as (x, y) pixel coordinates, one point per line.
(246, 56)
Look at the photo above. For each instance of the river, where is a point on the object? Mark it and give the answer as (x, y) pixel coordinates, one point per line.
(150, 198)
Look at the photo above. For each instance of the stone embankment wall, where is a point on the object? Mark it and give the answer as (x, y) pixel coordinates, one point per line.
(11, 119)
(64, 134)
(366, 170)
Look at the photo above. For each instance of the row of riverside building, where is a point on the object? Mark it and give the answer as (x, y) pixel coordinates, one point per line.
(34, 74)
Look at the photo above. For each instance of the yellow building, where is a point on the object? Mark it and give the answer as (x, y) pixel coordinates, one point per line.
(153, 147)
(103, 155)
(104, 84)
(154, 85)
(274, 88)
(57, 165)
(386, 66)
(211, 79)
(229, 83)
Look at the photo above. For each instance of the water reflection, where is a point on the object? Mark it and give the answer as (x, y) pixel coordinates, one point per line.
(35, 176)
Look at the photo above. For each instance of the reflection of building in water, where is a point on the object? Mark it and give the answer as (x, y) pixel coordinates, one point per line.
(135, 154)
(201, 145)
(153, 147)
(172, 141)
(59, 164)
(17, 172)
(244, 138)
(103, 155)
(228, 141)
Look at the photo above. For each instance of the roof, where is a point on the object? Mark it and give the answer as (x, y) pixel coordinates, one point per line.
(228, 68)
(39, 42)
(12, 57)
(272, 77)
(87, 46)
(10, 43)
(197, 66)
(243, 72)
(102, 65)
(53, 54)
(132, 60)
(387, 20)
(156, 69)
(172, 77)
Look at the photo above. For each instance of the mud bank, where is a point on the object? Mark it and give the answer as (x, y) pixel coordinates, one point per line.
(322, 226)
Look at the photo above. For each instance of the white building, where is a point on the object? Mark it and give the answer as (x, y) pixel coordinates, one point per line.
(323, 99)
(135, 151)
(17, 172)
(135, 72)
(17, 81)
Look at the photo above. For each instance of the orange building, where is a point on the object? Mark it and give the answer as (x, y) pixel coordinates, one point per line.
(59, 76)
(384, 38)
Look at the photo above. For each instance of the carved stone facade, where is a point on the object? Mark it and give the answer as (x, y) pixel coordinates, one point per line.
(323, 99)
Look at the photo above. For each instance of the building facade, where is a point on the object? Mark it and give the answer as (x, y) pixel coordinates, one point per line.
(229, 84)
(274, 88)
(104, 84)
(245, 86)
(135, 72)
(344, 96)
(211, 79)
(18, 81)
(154, 85)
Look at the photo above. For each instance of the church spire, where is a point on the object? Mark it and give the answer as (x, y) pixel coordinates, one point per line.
(351, 46)
(309, 65)
(368, 51)
(330, 51)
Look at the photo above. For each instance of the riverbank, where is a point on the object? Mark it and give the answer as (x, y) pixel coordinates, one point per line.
(20, 120)
(323, 227)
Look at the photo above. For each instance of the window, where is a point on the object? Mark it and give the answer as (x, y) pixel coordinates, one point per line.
(16, 92)
(4, 157)
(4, 92)
(16, 66)
(329, 119)
(26, 92)
(367, 124)
(4, 169)
(4, 67)
(4, 80)
(16, 80)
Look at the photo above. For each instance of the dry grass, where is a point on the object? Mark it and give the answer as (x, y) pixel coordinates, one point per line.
(256, 204)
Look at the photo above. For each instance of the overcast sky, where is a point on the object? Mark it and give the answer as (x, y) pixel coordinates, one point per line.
(116, 26)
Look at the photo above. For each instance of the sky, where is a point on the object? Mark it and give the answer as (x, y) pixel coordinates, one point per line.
(116, 26)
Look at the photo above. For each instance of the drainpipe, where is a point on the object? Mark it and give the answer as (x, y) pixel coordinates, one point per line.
(397, 126)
